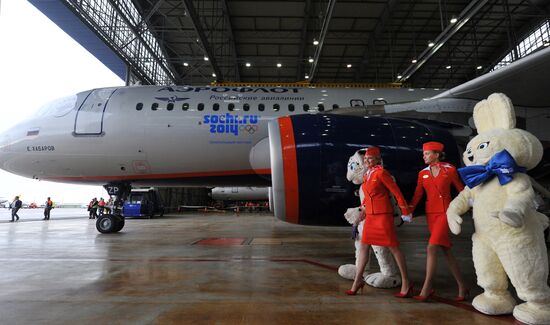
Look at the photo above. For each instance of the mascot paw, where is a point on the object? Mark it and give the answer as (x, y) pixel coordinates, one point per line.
(530, 313)
(379, 280)
(454, 221)
(347, 271)
(511, 218)
(354, 215)
(491, 304)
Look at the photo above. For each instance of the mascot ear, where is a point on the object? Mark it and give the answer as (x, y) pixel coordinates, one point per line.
(495, 112)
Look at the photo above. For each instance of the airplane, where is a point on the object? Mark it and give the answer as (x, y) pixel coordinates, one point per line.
(294, 139)
(239, 193)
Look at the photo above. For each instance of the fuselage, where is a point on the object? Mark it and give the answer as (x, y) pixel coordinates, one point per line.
(168, 135)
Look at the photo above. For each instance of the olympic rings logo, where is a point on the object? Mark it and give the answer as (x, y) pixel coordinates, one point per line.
(251, 129)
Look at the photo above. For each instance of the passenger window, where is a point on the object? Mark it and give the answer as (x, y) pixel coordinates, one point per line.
(335, 106)
(246, 107)
(321, 107)
(231, 106)
(170, 106)
(155, 106)
(276, 107)
(139, 106)
(291, 107)
(261, 107)
(201, 107)
(216, 107)
(185, 106)
(306, 107)
(379, 102)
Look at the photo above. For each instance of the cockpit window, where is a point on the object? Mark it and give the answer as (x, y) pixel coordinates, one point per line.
(58, 107)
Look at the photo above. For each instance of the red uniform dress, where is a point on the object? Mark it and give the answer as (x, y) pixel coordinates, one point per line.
(438, 197)
(379, 229)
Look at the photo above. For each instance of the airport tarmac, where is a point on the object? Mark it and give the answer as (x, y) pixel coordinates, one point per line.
(210, 268)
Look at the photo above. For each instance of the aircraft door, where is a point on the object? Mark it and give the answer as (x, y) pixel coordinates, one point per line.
(89, 117)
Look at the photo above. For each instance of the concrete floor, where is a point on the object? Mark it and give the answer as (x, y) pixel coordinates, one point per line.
(160, 272)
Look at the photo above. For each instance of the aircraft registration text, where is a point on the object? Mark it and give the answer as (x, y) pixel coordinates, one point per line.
(40, 148)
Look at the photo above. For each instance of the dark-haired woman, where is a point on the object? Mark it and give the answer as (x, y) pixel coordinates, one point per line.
(436, 181)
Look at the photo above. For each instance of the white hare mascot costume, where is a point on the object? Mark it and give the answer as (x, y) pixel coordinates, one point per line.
(389, 276)
(508, 238)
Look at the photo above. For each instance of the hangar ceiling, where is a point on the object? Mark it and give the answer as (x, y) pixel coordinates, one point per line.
(377, 39)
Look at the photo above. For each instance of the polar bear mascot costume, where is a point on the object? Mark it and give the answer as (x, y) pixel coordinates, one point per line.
(508, 238)
(389, 276)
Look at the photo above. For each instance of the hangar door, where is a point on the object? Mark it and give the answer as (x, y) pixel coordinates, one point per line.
(89, 118)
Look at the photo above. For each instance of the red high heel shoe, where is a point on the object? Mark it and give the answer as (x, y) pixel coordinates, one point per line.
(407, 294)
(425, 298)
(359, 287)
(463, 298)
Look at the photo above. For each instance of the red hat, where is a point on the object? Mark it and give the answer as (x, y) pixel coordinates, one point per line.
(373, 151)
(433, 146)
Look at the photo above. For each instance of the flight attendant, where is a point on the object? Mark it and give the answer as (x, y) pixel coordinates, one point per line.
(436, 180)
(379, 228)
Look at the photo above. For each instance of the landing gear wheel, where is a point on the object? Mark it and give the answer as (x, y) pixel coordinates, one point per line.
(150, 210)
(119, 220)
(109, 223)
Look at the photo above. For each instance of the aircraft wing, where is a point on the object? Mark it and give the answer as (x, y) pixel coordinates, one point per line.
(524, 81)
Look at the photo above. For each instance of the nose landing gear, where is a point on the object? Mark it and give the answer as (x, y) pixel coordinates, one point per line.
(114, 221)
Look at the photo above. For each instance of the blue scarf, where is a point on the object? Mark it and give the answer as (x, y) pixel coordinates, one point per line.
(501, 164)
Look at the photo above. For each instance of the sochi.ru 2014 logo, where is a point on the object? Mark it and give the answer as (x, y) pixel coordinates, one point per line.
(232, 124)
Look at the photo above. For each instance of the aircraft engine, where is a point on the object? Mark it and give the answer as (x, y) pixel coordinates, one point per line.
(309, 156)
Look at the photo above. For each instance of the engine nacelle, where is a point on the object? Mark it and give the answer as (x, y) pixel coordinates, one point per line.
(309, 155)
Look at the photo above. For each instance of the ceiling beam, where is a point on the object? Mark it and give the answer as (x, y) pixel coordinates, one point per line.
(202, 38)
(305, 23)
(471, 9)
(324, 29)
(227, 15)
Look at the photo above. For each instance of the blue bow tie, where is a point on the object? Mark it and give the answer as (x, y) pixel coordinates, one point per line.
(501, 164)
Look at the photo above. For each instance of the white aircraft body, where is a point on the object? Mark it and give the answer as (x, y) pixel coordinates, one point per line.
(240, 193)
(218, 135)
(166, 135)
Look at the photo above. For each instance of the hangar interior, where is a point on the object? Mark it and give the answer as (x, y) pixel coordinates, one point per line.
(429, 43)
(414, 44)
(227, 268)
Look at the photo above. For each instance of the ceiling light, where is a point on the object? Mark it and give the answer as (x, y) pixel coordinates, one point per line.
(399, 76)
(214, 75)
(453, 20)
(279, 65)
(315, 42)
(431, 44)
(310, 60)
(307, 77)
(348, 66)
(185, 64)
(448, 67)
(479, 67)
(414, 61)
(248, 64)
(205, 58)
(372, 89)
